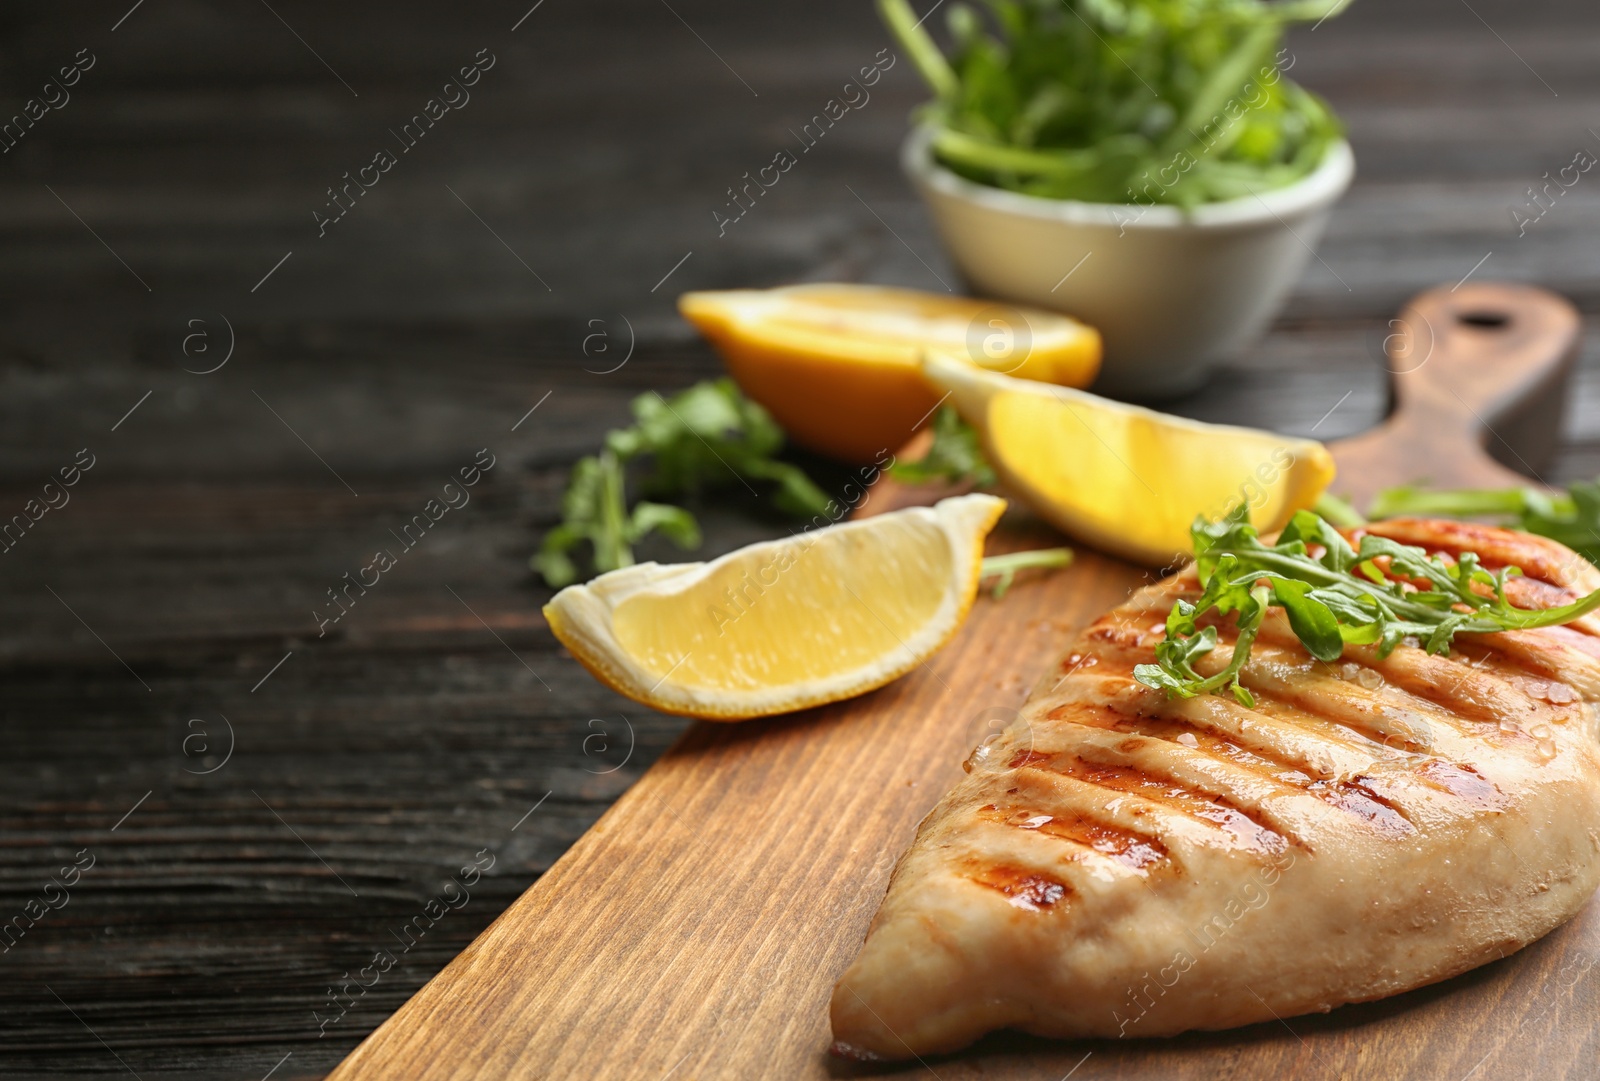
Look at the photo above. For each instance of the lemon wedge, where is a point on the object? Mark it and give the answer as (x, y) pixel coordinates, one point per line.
(837, 365)
(1129, 480)
(782, 625)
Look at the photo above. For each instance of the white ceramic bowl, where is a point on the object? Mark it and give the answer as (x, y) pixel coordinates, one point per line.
(1170, 292)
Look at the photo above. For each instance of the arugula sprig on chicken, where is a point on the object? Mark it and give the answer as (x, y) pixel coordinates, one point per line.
(1379, 593)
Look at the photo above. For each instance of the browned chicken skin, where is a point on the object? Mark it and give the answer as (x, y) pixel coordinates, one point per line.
(1117, 864)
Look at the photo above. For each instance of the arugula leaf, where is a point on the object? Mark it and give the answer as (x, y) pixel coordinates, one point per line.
(1336, 597)
(1572, 518)
(1120, 101)
(1312, 621)
(1004, 568)
(956, 455)
(708, 436)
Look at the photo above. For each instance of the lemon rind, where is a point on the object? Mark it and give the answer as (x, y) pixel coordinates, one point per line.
(743, 313)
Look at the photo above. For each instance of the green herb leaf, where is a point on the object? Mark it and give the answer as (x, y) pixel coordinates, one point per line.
(674, 523)
(1332, 595)
(924, 52)
(709, 436)
(1004, 568)
(956, 456)
(1338, 512)
(1313, 622)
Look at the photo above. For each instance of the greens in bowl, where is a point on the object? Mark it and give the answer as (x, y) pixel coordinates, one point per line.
(1180, 102)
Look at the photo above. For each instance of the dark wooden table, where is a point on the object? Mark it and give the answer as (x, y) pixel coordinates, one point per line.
(263, 805)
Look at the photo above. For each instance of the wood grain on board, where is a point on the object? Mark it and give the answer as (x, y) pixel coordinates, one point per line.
(697, 929)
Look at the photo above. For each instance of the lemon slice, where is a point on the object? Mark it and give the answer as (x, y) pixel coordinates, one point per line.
(786, 624)
(838, 365)
(1125, 479)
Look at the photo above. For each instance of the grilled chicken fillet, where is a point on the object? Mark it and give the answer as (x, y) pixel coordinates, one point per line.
(1118, 864)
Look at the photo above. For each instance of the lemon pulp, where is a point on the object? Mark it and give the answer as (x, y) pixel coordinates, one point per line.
(791, 615)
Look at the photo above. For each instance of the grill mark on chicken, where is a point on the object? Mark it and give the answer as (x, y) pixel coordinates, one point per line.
(1077, 662)
(1141, 709)
(1133, 850)
(1525, 652)
(1467, 691)
(1312, 743)
(1477, 692)
(1463, 782)
(1104, 664)
(1346, 795)
(1124, 634)
(1387, 714)
(1331, 731)
(1356, 797)
(1576, 636)
(1227, 748)
(1525, 592)
(1023, 888)
(1496, 656)
(1174, 730)
(1551, 575)
(1247, 832)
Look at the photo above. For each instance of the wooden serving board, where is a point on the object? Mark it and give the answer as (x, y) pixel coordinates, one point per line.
(697, 930)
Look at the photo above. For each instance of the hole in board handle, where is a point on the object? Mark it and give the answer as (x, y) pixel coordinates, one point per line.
(1483, 319)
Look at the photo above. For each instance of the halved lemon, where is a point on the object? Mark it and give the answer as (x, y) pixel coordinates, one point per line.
(1129, 480)
(837, 365)
(782, 625)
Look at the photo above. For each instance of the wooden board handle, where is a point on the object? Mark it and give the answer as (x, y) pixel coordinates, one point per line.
(1479, 368)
